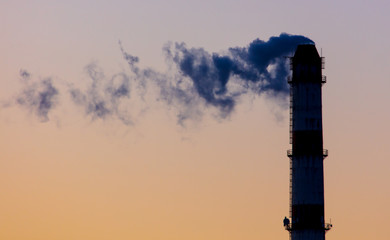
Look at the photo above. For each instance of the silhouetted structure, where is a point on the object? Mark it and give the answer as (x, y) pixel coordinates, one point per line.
(307, 153)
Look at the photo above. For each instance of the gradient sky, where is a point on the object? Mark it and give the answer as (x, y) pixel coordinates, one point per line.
(75, 178)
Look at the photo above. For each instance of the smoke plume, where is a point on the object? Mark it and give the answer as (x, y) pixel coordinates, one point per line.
(38, 97)
(101, 99)
(196, 82)
(220, 79)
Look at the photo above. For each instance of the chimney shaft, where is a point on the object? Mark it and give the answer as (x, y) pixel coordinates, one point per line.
(307, 154)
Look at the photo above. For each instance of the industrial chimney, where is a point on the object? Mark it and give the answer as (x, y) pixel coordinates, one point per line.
(306, 220)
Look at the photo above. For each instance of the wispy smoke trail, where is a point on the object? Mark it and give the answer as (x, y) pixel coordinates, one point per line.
(25, 76)
(38, 97)
(101, 99)
(196, 80)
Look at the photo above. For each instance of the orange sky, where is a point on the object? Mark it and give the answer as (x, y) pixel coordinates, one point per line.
(73, 178)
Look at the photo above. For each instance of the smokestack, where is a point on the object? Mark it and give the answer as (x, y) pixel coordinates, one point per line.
(307, 153)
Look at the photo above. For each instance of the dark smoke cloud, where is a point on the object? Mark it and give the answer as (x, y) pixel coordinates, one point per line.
(102, 98)
(207, 73)
(260, 68)
(262, 62)
(172, 89)
(39, 97)
(196, 82)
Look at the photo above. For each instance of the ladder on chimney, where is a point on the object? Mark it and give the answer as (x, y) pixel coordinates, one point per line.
(291, 141)
(291, 114)
(291, 173)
